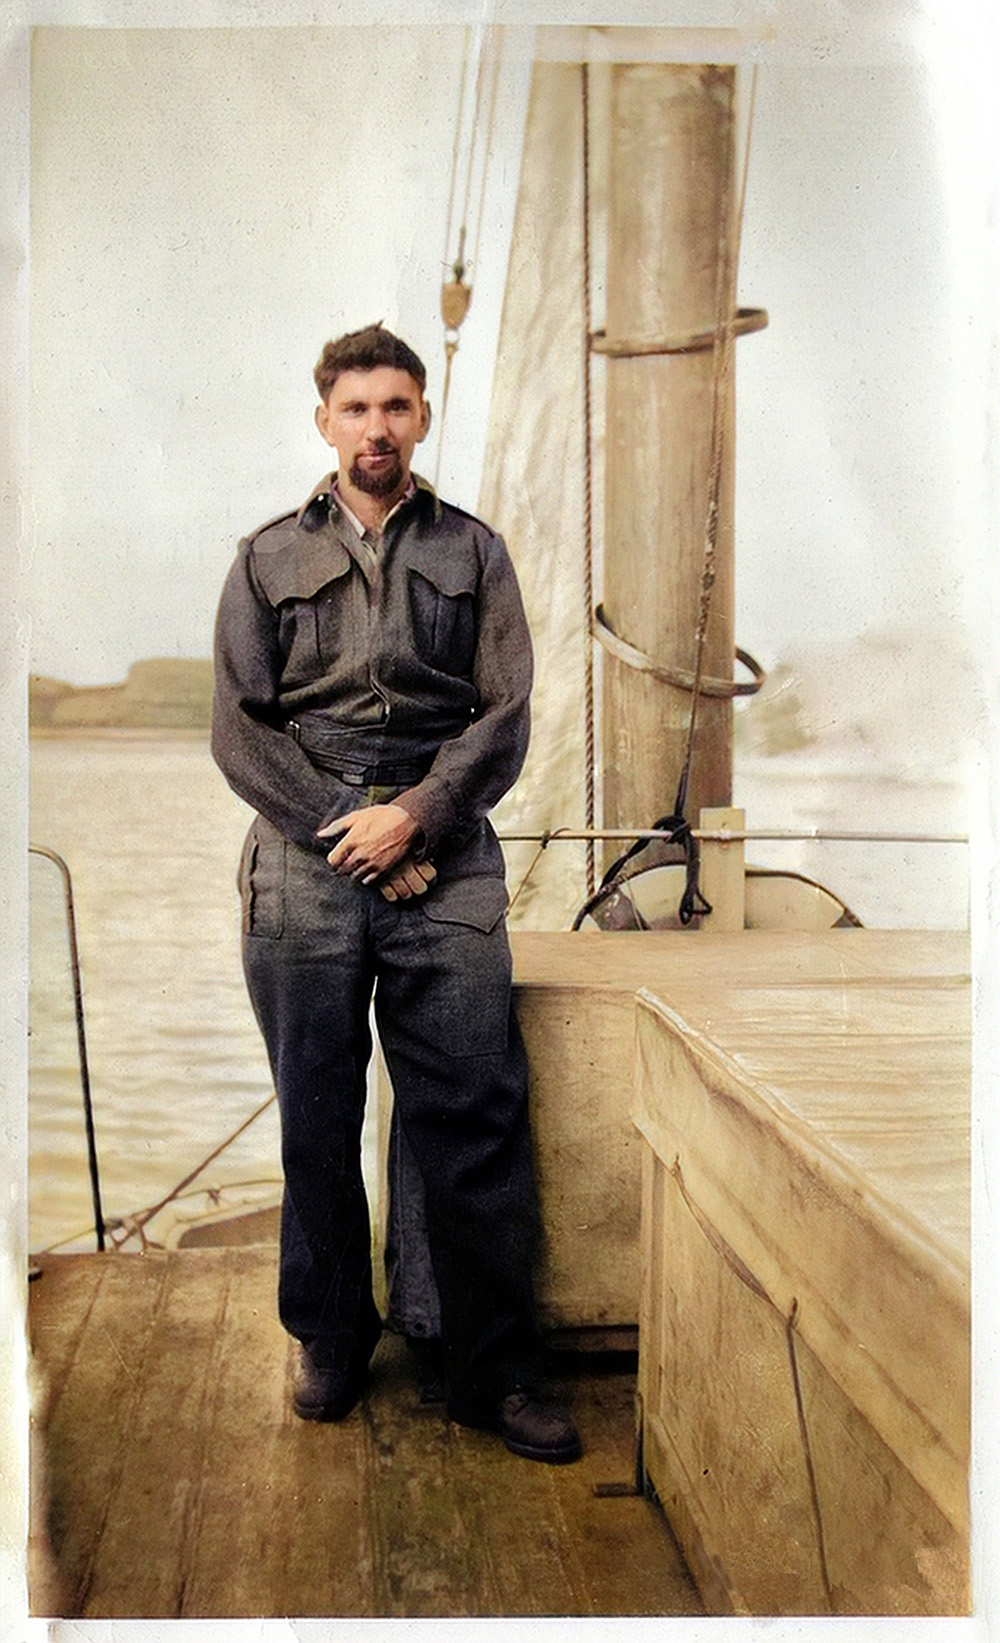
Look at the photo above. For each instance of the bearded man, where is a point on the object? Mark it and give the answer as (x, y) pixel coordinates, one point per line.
(373, 672)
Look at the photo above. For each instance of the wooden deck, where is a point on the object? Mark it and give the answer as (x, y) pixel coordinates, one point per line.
(171, 1479)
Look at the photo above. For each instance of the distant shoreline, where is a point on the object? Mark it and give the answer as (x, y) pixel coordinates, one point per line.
(165, 693)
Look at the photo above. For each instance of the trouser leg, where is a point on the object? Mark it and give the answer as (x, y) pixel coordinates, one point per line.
(456, 1059)
(309, 971)
(414, 1306)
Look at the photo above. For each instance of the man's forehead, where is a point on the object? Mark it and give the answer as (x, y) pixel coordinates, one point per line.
(380, 383)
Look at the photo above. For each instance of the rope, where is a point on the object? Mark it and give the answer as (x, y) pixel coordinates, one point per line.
(544, 843)
(721, 368)
(720, 351)
(133, 1224)
(480, 62)
(455, 147)
(450, 350)
(456, 294)
(588, 498)
(494, 50)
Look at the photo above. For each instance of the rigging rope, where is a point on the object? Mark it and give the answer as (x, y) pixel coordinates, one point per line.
(588, 501)
(722, 351)
(494, 53)
(135, 1223)
(456, 145)
(456, 293)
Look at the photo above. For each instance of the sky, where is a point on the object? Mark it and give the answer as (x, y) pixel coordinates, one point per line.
(207, 206)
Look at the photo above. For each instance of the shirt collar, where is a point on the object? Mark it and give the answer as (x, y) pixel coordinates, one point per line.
(316, 508)
(349, 513)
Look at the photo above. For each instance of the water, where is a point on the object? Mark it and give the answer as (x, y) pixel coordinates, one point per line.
(152, 836)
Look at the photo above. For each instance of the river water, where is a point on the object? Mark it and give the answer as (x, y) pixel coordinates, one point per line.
(152, 835)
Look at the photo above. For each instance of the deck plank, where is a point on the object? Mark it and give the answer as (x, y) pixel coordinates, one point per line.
(62, 1300)
(430, 1558)
(185, 1487)
(141, 1558)
(278, 1526)
(516, 1510)
(631, 1561)
(557, 1546)
(82, 1441)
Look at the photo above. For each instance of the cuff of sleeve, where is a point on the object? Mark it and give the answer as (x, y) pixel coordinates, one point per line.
(431, 806)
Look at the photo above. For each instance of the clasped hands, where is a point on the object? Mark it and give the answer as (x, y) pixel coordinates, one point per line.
(374, 846)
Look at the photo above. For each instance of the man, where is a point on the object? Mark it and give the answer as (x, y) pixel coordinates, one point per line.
(373, 670)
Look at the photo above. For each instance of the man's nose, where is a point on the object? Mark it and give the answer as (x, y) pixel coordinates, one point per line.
(376, 425)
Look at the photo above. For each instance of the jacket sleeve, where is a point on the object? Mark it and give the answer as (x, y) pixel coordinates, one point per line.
(472, 771)
(260, 761)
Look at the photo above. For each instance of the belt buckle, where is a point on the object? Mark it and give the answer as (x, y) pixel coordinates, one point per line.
(354, 778)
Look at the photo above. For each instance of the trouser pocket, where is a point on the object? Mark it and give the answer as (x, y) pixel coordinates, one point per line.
(261, 880)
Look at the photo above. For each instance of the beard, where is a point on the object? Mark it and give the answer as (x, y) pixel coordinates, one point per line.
(378, 484)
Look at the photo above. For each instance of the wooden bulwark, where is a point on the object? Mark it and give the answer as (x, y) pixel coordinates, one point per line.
(171, 1479)
(805, 1333)
(576, 996)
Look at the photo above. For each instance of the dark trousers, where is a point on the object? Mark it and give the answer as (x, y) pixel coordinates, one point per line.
(316, 946)
(414, 1303)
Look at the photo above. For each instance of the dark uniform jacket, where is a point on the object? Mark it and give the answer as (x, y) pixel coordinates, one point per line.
(415, 670)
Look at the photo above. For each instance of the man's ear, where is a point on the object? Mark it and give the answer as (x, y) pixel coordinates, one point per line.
(323, 421)
(425, 422)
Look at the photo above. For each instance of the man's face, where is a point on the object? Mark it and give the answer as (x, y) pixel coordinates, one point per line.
(374, 420)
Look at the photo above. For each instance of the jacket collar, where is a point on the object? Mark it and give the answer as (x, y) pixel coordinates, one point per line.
(315, 511)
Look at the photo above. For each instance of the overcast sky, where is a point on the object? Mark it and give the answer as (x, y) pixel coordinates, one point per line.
(209, 205)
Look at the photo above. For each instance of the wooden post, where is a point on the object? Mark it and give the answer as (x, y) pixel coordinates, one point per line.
(671, 183)
(723, 871)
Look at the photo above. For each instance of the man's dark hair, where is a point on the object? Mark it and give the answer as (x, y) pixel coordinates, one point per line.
(366, 350)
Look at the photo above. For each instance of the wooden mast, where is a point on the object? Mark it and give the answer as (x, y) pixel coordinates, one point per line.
(672, 194)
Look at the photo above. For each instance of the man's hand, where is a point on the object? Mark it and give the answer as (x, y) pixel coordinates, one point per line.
(373, 841)
(410, 878)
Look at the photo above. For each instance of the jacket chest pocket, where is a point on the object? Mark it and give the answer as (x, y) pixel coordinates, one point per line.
(443, 617)
(322, 632)
(340, 614)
